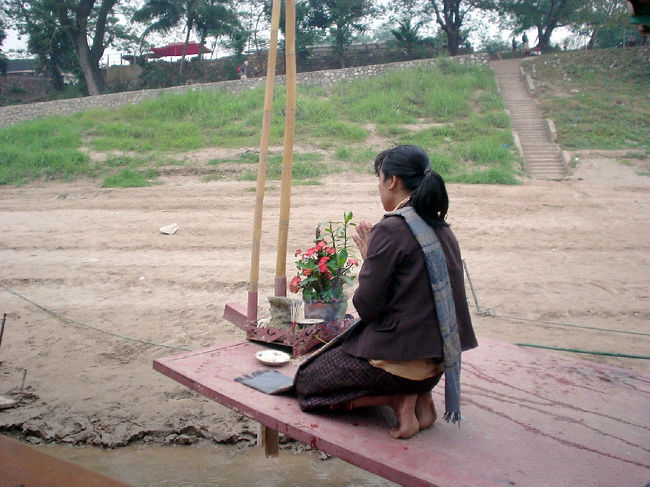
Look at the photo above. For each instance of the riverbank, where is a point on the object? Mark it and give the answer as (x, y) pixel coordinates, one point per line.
(572, 252)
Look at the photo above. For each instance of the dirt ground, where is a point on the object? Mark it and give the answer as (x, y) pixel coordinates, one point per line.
(574, 252)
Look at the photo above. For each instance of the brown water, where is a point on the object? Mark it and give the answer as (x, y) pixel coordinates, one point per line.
(215, 465)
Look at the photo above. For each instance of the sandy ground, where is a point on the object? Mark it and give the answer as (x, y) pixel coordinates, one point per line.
(574, 252)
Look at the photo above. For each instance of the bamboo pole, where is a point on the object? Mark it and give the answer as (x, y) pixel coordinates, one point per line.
(267, 438)
(287, 155)
(251, 309)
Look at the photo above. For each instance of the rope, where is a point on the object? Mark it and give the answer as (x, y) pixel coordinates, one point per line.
(590, 352)
(79, 323)
(488, 312)
(483, 311)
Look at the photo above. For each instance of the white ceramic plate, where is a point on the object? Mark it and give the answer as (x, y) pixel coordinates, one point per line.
(272, 357)
(308, 322)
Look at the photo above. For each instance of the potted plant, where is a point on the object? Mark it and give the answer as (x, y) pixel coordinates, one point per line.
(324, 270)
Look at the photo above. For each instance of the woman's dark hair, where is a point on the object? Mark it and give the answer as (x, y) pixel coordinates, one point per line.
(411, 164)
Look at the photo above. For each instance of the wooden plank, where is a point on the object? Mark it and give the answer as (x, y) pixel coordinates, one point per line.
(23, 465)
(237, 315)
(529, 418)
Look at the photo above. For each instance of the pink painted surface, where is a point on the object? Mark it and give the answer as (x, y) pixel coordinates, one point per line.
(531, 418)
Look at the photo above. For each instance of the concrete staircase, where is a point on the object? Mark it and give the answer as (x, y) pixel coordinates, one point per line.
(533, 133)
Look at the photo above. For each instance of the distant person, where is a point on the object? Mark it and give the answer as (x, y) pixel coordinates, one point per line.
(514, 45)
(524, 44)
(243, 70)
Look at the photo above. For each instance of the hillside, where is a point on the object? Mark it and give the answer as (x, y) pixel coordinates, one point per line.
(599, 99)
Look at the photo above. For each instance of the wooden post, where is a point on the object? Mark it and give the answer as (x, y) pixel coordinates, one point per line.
(251, 309)
(287, 155)
(266, 437)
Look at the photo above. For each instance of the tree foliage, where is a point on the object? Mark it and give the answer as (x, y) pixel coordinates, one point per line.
(203, 17)
(85, 23)
(606, 22)
(543, 15)
(3, 36)
(342, 18)
(307, 34)
(450, 15)
(407, 35)
(52, 45)
(3, 29)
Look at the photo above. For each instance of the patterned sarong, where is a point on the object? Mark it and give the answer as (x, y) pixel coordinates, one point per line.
(334, 378)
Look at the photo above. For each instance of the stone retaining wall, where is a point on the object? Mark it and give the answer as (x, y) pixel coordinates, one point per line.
(17, 113)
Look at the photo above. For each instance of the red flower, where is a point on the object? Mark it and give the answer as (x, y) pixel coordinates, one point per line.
(311, 251)
(306, 271)
(322, 264)
(330, 250)
(297, 253)
(320, 244)
(294, 285)
(353, 261)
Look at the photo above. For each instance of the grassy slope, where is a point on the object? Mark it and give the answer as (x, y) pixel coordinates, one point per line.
(453, 111)
(599, 99)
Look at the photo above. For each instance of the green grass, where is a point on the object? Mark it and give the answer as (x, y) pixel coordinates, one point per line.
(130, 178)
(453, 111)
(305, 168)
(41, 149)
(596, 98)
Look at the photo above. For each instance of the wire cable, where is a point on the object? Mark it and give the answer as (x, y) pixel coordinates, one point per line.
(79, 323)
(590, 352)
(517, 318)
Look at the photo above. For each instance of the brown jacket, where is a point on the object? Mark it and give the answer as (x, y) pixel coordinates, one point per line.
(394, 298)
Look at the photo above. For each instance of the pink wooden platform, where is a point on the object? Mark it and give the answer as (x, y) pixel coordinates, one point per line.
(531, 418)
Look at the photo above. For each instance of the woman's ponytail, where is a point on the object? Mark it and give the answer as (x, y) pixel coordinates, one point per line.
(430, 199)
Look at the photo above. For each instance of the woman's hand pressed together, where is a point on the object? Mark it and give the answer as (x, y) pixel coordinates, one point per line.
(361, 238)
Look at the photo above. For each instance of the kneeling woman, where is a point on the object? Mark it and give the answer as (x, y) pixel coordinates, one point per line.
(411, 302)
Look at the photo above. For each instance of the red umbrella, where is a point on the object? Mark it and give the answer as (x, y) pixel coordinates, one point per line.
(176, 49)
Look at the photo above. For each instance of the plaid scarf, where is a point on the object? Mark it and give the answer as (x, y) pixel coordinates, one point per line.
(444, 303)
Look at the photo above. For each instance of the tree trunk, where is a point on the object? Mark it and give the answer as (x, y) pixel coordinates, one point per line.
(594, 36)
(83, 56)
(339, 46)
(187, 40)
(544, 36)
(452, 41)
(56, 77)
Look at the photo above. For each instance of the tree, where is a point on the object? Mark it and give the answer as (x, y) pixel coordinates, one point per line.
(204, 17)
(450, 15)
(80, 20)
(543, 15)
(606, 16)
(3, 58)
(216, 18)
(254, 17)
(307, 34)
(3, 30)
(407, 35)
(342, 18)
(46, 39)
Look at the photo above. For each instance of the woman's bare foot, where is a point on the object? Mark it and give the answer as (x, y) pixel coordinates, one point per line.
(425, 411)
(404, 407)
